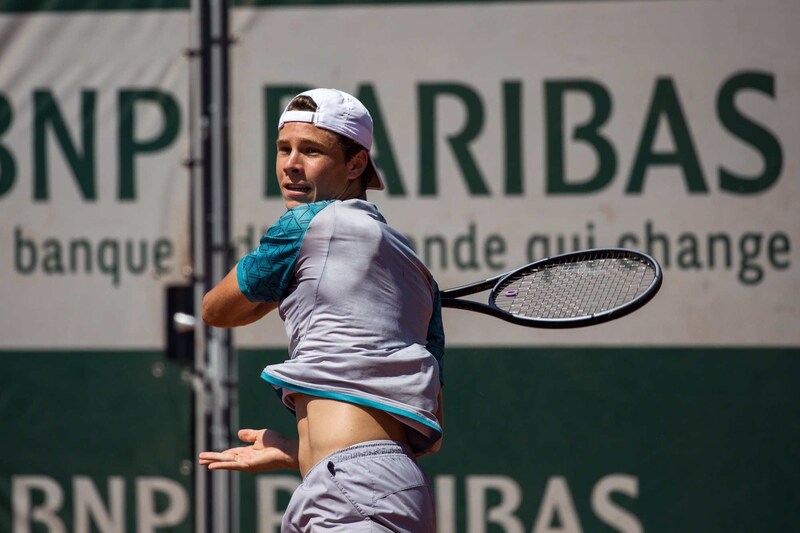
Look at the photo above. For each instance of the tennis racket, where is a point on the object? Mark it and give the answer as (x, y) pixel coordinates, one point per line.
(566, 291)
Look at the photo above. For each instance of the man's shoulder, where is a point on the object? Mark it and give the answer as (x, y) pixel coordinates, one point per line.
(305, 212)
(362, 208)
(296, 220)
(327, 214)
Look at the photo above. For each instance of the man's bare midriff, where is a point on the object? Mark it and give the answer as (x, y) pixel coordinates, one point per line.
(325, 426)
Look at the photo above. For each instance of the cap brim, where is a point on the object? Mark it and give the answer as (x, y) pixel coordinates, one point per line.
(375, 182)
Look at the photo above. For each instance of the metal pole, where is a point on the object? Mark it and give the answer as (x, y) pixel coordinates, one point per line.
(216, 494)
(197, 250)
(200, 391)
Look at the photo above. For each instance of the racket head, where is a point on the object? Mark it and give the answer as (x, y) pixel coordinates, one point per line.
(577, 289)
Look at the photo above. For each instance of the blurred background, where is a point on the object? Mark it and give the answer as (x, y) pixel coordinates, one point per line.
(137, 164)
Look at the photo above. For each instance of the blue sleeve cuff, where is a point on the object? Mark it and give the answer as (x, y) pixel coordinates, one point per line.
(265, 274)
(242, 284)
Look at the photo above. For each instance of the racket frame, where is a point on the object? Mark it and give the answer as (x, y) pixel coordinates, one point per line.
(452, 298)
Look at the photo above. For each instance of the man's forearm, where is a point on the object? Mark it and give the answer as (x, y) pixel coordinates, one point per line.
(225, 306)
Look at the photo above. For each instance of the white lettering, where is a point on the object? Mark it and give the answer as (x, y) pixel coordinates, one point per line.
(503, 513)
(610, 513)
(445, 490)
(21, 488)
(148, 519)
(267, 487)
(557, 500)
(87, 502)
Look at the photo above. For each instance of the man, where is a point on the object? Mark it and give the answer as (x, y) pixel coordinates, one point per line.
(363, 317)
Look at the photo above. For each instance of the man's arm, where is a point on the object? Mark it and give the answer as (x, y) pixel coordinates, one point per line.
(225, 306)
(440, 417)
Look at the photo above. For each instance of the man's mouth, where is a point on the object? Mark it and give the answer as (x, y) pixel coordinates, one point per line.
(296, 187)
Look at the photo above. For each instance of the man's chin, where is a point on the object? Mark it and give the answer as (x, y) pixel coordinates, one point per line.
(294, 202)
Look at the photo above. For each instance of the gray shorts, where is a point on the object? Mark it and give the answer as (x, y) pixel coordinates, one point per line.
(372, 486)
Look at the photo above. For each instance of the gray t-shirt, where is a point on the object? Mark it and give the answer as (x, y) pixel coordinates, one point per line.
(362, 312)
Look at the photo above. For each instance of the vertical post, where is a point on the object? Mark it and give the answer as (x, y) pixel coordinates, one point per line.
(216, 400)
(199, 389)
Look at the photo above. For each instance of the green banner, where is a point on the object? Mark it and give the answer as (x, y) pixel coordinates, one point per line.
(537, 439)
(94, 438)
(32, 6)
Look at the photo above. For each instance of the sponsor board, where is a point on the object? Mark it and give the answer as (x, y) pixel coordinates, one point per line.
(597, 128)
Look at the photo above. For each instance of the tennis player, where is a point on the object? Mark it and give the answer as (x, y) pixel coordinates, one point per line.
(363, 318)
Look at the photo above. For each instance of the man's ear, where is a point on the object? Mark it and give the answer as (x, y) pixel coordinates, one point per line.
(357, 164)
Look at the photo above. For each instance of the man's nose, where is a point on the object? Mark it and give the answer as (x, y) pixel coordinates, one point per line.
(292, 163)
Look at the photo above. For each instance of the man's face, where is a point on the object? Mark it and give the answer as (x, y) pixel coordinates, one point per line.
(310, 166)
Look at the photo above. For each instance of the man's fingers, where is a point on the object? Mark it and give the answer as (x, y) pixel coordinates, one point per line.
(226, 466)
(216, 456)
(249, 435)
(220, 461)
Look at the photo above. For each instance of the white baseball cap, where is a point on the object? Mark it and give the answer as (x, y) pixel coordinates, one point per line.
(342, 113)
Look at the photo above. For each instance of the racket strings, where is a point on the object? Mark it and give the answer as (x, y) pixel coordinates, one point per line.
(576, 288)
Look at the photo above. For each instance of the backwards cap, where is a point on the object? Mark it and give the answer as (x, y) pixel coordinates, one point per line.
(342, 113)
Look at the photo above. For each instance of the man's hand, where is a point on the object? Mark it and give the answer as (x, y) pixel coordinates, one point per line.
(269, 451)
(430, 451)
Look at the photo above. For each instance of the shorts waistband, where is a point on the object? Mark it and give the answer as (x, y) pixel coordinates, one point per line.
(372, 448)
